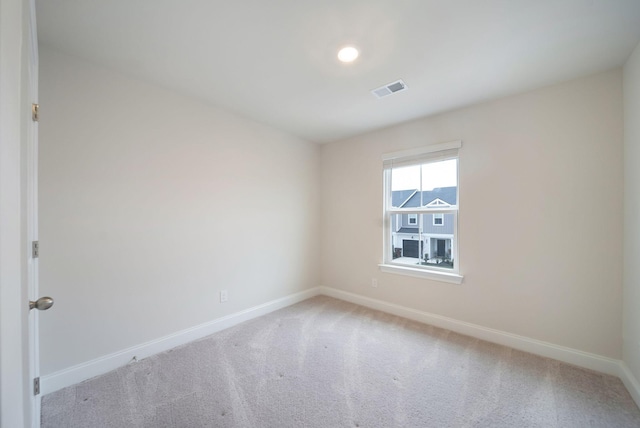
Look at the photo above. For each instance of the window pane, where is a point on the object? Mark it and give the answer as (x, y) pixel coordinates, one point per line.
(405, 182)
(440, 174)
(439, 242)
(407, 248)
(429, 224)
(432, 184)
(431, 246)
(423, 238)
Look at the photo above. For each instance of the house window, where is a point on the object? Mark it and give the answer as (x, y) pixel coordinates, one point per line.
(422, 183)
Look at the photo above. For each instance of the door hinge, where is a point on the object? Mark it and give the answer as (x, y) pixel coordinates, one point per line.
(35, 112)
(36, 386)
(35, 249)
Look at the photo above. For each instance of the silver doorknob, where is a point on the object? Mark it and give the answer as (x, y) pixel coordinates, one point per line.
(42, 304)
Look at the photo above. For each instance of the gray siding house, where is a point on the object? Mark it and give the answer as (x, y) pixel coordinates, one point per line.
(425, 237)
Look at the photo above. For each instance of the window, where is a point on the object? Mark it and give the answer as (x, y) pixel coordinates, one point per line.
(421, 188)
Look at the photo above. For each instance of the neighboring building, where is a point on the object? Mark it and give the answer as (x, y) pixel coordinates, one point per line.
(427, 237)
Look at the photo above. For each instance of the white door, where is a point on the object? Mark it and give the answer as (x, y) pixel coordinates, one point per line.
(31, 203)
(36, 302)
(18, 276)
(32, 222)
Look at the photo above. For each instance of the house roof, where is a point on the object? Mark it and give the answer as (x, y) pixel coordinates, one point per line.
(408, 230)
(399, 197)
(446, 194)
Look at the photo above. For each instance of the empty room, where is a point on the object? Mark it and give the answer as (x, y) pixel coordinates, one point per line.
(320, 213)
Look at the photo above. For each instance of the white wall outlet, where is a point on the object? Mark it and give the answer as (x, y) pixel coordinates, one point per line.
(224, 296)
(374, 282)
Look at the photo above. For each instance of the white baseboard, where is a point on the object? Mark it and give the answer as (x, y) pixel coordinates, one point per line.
(576, 357)
(630, 381)
(84, 371)
(568, 355)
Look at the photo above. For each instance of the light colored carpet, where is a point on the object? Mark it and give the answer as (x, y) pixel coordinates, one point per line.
(328, 363)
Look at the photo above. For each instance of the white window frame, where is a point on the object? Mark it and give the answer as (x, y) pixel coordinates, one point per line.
(412, 216)
(417, 156)
(440, 216)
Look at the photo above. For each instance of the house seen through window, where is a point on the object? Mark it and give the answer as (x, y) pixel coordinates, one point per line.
(421, 209)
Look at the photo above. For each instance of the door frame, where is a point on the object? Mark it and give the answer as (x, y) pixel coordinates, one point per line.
(15, 111)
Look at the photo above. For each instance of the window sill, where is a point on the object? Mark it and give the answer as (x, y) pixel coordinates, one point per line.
(452, 278)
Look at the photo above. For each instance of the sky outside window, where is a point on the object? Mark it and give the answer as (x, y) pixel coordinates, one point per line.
(434, 174)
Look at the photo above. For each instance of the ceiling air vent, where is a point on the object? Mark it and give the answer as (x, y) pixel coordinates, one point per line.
(390, 88)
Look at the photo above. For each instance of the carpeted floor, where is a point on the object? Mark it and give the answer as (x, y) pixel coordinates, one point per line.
(328, 363)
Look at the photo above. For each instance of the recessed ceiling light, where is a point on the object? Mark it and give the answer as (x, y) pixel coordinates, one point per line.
(348, 54)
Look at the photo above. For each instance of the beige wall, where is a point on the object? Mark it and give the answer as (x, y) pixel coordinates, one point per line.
(151, 203)
(631, 320)
(540, 223)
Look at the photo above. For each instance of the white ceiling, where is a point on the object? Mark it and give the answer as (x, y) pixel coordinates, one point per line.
(275, 61)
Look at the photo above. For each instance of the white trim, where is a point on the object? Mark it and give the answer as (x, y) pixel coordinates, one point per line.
(630, 382)
(561, 353)
(437, 202)
(81, 372)
(437, 235)
(430, 273)
(440, 216)
(84, 371)
(422, 150)
(406, 200)
(418, 210)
